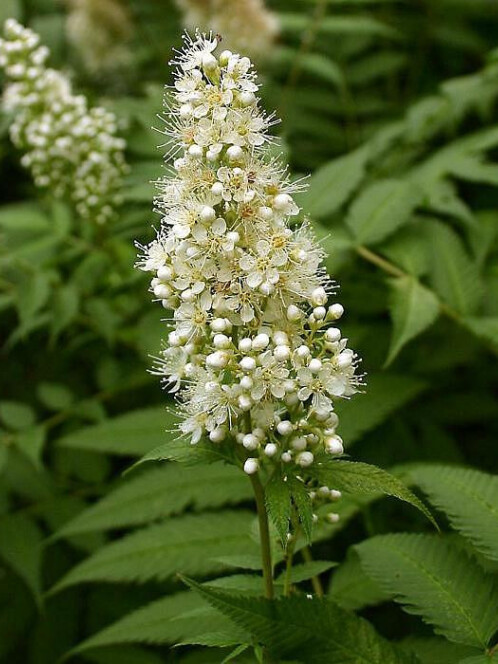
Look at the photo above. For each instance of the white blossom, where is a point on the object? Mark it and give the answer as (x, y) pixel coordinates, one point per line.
(68, 147)
(254, 340)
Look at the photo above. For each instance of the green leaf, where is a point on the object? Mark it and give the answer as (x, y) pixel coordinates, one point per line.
(16, 415)
(181, 450)
(485, 328)
(124, 655)
(352, 588)
(413, 309)
(300, 627)
(475, 170)
(361, 478)
(30, 442)
(21, 549)
(162, 492)
(278, 504)
(480, 659)
(155, 623)
(436, 581)
(304, 506)
(132, 434)
(332, 184)
(454, 274)
(338, 25)
(54, 396)
(437, 651)
(189, 544)
(385, 394)
(65, 305)
(468, 497)
(306, 571)
(33, 294)
(381, 209)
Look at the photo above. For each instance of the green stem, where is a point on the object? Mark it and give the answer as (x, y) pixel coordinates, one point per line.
(264, 534)
(288, 566)
(315, 580)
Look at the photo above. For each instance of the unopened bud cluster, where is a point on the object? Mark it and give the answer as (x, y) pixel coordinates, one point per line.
(246, 25)
(69, 148)
(254, 339)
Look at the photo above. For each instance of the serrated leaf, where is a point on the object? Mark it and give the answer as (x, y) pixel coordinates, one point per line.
(454, 275)
(361, 478)
(304, 506)
(381, 209)
(386, 393)
(278, 504)
(302, 627)
(190, 544)
(332, 184)
(182, 451)
(468, 497)
(162, 492)
(413, 309)
(132, 434)
(155, 623)
(437, 651)
(437, 582)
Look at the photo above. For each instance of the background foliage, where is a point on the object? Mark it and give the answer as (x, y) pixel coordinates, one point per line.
(392, 106)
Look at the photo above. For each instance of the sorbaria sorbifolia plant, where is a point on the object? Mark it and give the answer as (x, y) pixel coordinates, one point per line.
(255, 355)
(71, 150)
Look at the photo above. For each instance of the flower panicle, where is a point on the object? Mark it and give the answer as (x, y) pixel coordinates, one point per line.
(254, 353)
(69, 148)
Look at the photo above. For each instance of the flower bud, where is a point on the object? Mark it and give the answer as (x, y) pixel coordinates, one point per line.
(251, 466)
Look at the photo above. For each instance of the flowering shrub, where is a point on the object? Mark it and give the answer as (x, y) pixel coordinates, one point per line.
(71, 150)
(254, 334)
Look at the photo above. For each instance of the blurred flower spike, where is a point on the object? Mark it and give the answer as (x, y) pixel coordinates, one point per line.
(70, 149)
(255, 354)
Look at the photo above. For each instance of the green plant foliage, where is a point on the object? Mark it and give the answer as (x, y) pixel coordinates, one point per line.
(297, 626)
(432, 579)
(154, 553)
(413, 309)
(160, 493)
(468, 497)
(361, 478)
(389, 111)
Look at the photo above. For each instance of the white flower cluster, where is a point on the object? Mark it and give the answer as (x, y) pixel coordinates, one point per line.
(69, 148)
(254, 335)
(246, 25)
(100, 31)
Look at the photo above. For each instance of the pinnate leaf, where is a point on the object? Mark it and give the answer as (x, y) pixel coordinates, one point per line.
(307, 629)
(361, 478)
(468, 497)
(190, 544)
(434, 580)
